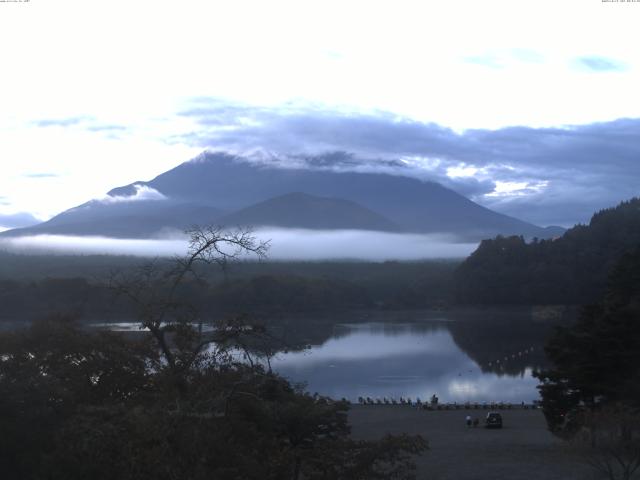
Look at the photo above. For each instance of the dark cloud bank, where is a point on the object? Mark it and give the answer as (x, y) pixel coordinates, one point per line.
(562, 174)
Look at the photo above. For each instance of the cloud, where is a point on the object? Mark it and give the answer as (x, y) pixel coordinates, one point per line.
(600, 64)
(61, 122)
(17, 220)
(60, 244)
(286, 244)
(142, 193)
(491, 61)
(88, 123)
(107, 128)
(557, 175)
(504, 58)
(41, 175)
(298, 244)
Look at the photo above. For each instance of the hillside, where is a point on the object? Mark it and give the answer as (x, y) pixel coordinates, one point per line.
(216, 184)
(569, 269)
(136, 219)
(299, 210)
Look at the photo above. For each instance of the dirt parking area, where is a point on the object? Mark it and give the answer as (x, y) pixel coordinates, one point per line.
(523, 449)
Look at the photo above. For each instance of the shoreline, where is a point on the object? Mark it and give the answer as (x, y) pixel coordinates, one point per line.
(466, 406)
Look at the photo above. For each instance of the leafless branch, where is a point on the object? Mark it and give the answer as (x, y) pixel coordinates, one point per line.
(153, 290)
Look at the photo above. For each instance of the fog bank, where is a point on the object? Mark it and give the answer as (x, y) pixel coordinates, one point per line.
(285, 244)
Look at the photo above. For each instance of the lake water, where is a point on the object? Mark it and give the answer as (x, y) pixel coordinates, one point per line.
(479, 358)
(457, 361)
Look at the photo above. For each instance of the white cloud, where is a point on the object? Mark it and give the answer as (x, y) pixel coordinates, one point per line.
(517, 189)
(61, 244)
(462, 171)
(286, 244)
(143, 192)
(504, 189)
(297, 244)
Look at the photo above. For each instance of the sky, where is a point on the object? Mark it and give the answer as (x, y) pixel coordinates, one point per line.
(526, 107)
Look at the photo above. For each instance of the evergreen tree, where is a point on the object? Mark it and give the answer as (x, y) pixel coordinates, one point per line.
(596, 362)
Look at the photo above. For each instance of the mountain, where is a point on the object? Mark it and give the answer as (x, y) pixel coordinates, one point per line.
(300, 210)
(135, 219)
(217, 185)
(572, 269)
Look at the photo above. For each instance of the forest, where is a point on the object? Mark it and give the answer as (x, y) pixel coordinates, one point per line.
(80, 286)
(571, 269)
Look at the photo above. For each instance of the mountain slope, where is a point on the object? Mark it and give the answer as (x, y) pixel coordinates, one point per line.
(202, 190)
(136, 219)
(230, 183)
(299, 210)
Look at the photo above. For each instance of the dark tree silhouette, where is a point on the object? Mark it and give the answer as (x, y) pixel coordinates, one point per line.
(571, 269)
(76, 404)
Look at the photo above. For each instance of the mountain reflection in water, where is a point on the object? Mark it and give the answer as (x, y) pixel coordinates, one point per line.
(420, 359)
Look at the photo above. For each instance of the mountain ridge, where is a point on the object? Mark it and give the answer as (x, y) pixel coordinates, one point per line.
(301, 210)
(227, 184)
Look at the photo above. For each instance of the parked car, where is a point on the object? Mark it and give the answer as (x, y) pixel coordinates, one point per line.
(493, 420)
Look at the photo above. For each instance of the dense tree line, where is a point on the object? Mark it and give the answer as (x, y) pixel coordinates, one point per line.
(30, 266)
(251, 288)
(591, 392)
(571, 269)
(597, 361)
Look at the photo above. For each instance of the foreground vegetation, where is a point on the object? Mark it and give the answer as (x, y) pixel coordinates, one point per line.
(591, 393)
(177, 405)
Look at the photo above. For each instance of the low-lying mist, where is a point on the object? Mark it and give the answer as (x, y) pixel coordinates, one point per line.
(285, 244)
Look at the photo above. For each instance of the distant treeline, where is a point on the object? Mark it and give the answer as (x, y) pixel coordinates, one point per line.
(571, 269)
(24, 266)
(253, 288)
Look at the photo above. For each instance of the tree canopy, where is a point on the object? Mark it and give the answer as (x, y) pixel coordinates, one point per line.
(596, 362)
(571, 269)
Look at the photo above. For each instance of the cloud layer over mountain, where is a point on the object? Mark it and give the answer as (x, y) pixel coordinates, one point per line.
(542, 175)
(142, 193)
(286, 244)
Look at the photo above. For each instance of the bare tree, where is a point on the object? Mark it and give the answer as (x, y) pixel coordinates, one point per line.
(154, 290)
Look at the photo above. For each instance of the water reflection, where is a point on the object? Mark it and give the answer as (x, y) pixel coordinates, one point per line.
(136, 326)
(408, 360)
(460, 357)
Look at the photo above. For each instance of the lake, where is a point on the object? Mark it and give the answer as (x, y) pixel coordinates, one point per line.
(479, 357)
(459, 360)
